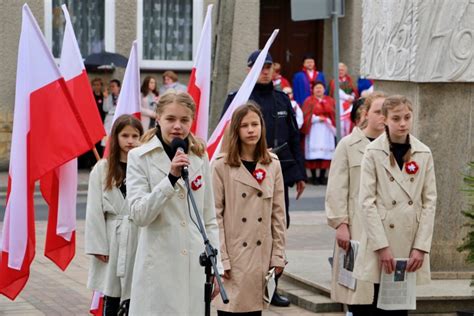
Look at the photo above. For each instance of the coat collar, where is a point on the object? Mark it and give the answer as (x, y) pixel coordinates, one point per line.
(164, 163)
(242, 175)
(402, 178)
(358, 139)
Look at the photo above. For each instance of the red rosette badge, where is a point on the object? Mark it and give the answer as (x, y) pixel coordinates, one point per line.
(411, 167)
(259, 175)
(196, 184)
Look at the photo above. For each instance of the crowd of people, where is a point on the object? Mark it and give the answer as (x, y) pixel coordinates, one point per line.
(143, 239)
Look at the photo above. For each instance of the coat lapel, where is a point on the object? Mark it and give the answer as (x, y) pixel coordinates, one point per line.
(243, 176)
(401, 177)
(359, 140)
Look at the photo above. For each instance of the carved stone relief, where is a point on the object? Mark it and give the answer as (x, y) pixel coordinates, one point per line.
(418, 40)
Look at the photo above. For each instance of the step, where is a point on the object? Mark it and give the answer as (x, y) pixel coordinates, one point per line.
(306, 297)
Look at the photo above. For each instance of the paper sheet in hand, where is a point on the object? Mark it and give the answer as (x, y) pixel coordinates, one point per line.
(270, 285)
(346, 266)
(398, 289)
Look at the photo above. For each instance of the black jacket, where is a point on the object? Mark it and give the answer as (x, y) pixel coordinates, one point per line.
(276, 107)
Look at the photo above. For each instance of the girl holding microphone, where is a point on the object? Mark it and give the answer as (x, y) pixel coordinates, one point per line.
(167, 279)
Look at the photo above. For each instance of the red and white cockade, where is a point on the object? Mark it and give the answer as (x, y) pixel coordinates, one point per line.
(196, 184)
(259, 175)
(411, 167)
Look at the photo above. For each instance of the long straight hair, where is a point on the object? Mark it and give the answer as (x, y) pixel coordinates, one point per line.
(115, 174)
(233, 144)
(196, 146)
(389, 104)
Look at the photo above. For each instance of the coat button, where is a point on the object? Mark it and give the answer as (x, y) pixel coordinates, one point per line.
(412, 179)
(259, 242)
(244, 219)
(183, 223)
(244, 195)
(410, 202)
(259, 219)
(184, 252)
(391, 226)
(392, 178)
(244, 244)
(259, 194)
(181, 195)
(394, 202)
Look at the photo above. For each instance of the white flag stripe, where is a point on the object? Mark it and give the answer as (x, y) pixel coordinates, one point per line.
(129, 99)
(244, 92)
(71, 66)
(36, 68)
(203, 74)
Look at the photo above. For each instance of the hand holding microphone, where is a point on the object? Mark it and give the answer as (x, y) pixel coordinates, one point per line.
(180, 162)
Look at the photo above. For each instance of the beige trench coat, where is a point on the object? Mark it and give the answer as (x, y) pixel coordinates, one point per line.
(252, 227)
(397, 208)
(109, 231)
(167, 279)
(342, 196)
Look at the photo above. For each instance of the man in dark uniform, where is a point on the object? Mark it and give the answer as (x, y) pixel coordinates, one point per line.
(282, 134)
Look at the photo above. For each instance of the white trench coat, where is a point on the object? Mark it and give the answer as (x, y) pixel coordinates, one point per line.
(167, 279)
(109, 231)
(342, 204)
(397, 208)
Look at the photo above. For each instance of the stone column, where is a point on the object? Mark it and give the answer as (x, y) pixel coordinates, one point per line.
(425, 50)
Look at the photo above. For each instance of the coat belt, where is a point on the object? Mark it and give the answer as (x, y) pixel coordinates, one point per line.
(122, 224)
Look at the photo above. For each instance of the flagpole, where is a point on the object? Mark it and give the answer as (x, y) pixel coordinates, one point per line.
(96, 153)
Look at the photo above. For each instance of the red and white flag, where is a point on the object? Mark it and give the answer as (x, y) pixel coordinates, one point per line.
(199, 86)
(97, 304)
(130, 96)
(47, 133)
(242, 96)
(59, 186)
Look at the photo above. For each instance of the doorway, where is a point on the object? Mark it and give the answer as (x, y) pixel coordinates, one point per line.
(294, 40)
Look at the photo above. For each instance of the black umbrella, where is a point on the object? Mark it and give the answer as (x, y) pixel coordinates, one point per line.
(105, 60)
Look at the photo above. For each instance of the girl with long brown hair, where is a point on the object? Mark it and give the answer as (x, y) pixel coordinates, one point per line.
(149, 101)
(110, 234)
(397, 203)
(167, 279)
(250, 207)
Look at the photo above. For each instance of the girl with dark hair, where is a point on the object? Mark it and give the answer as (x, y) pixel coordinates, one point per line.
(110, 234)
(250, 206)
(167, 279)
(149, 101)
(397, 201)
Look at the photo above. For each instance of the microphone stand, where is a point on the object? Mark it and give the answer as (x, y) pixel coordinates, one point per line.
(208, 258)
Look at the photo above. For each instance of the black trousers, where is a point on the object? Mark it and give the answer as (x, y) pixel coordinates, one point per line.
(111, 306)
(372, 310)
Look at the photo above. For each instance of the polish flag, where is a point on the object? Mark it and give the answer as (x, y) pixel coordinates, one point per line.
(130, 96)
(59, 186)
(242, 96)
(199, 86)
(97, 304)
(47, 132)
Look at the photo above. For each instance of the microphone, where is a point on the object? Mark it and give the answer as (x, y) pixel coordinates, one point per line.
(178, 144)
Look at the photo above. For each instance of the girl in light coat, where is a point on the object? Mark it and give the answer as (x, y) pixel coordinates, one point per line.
(167, 278)
(398, 200)
(110, 235)
(149, 101)
(342, 199)
(250, 206)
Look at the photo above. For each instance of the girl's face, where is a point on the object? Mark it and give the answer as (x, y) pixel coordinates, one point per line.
(167, 80)
(151, 84)
(250, 129)
(399, 121)
(175, 121)
(128, 138)
(318, 91)
(375, 118)
(114, 88)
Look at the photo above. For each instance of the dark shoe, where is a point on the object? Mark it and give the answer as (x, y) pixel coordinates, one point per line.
(280, 301)
(323, 181)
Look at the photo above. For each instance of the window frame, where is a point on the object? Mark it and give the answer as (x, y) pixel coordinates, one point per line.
(148, 64)
(109, 25)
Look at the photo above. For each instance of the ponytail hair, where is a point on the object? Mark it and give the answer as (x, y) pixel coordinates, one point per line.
(196, 145)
